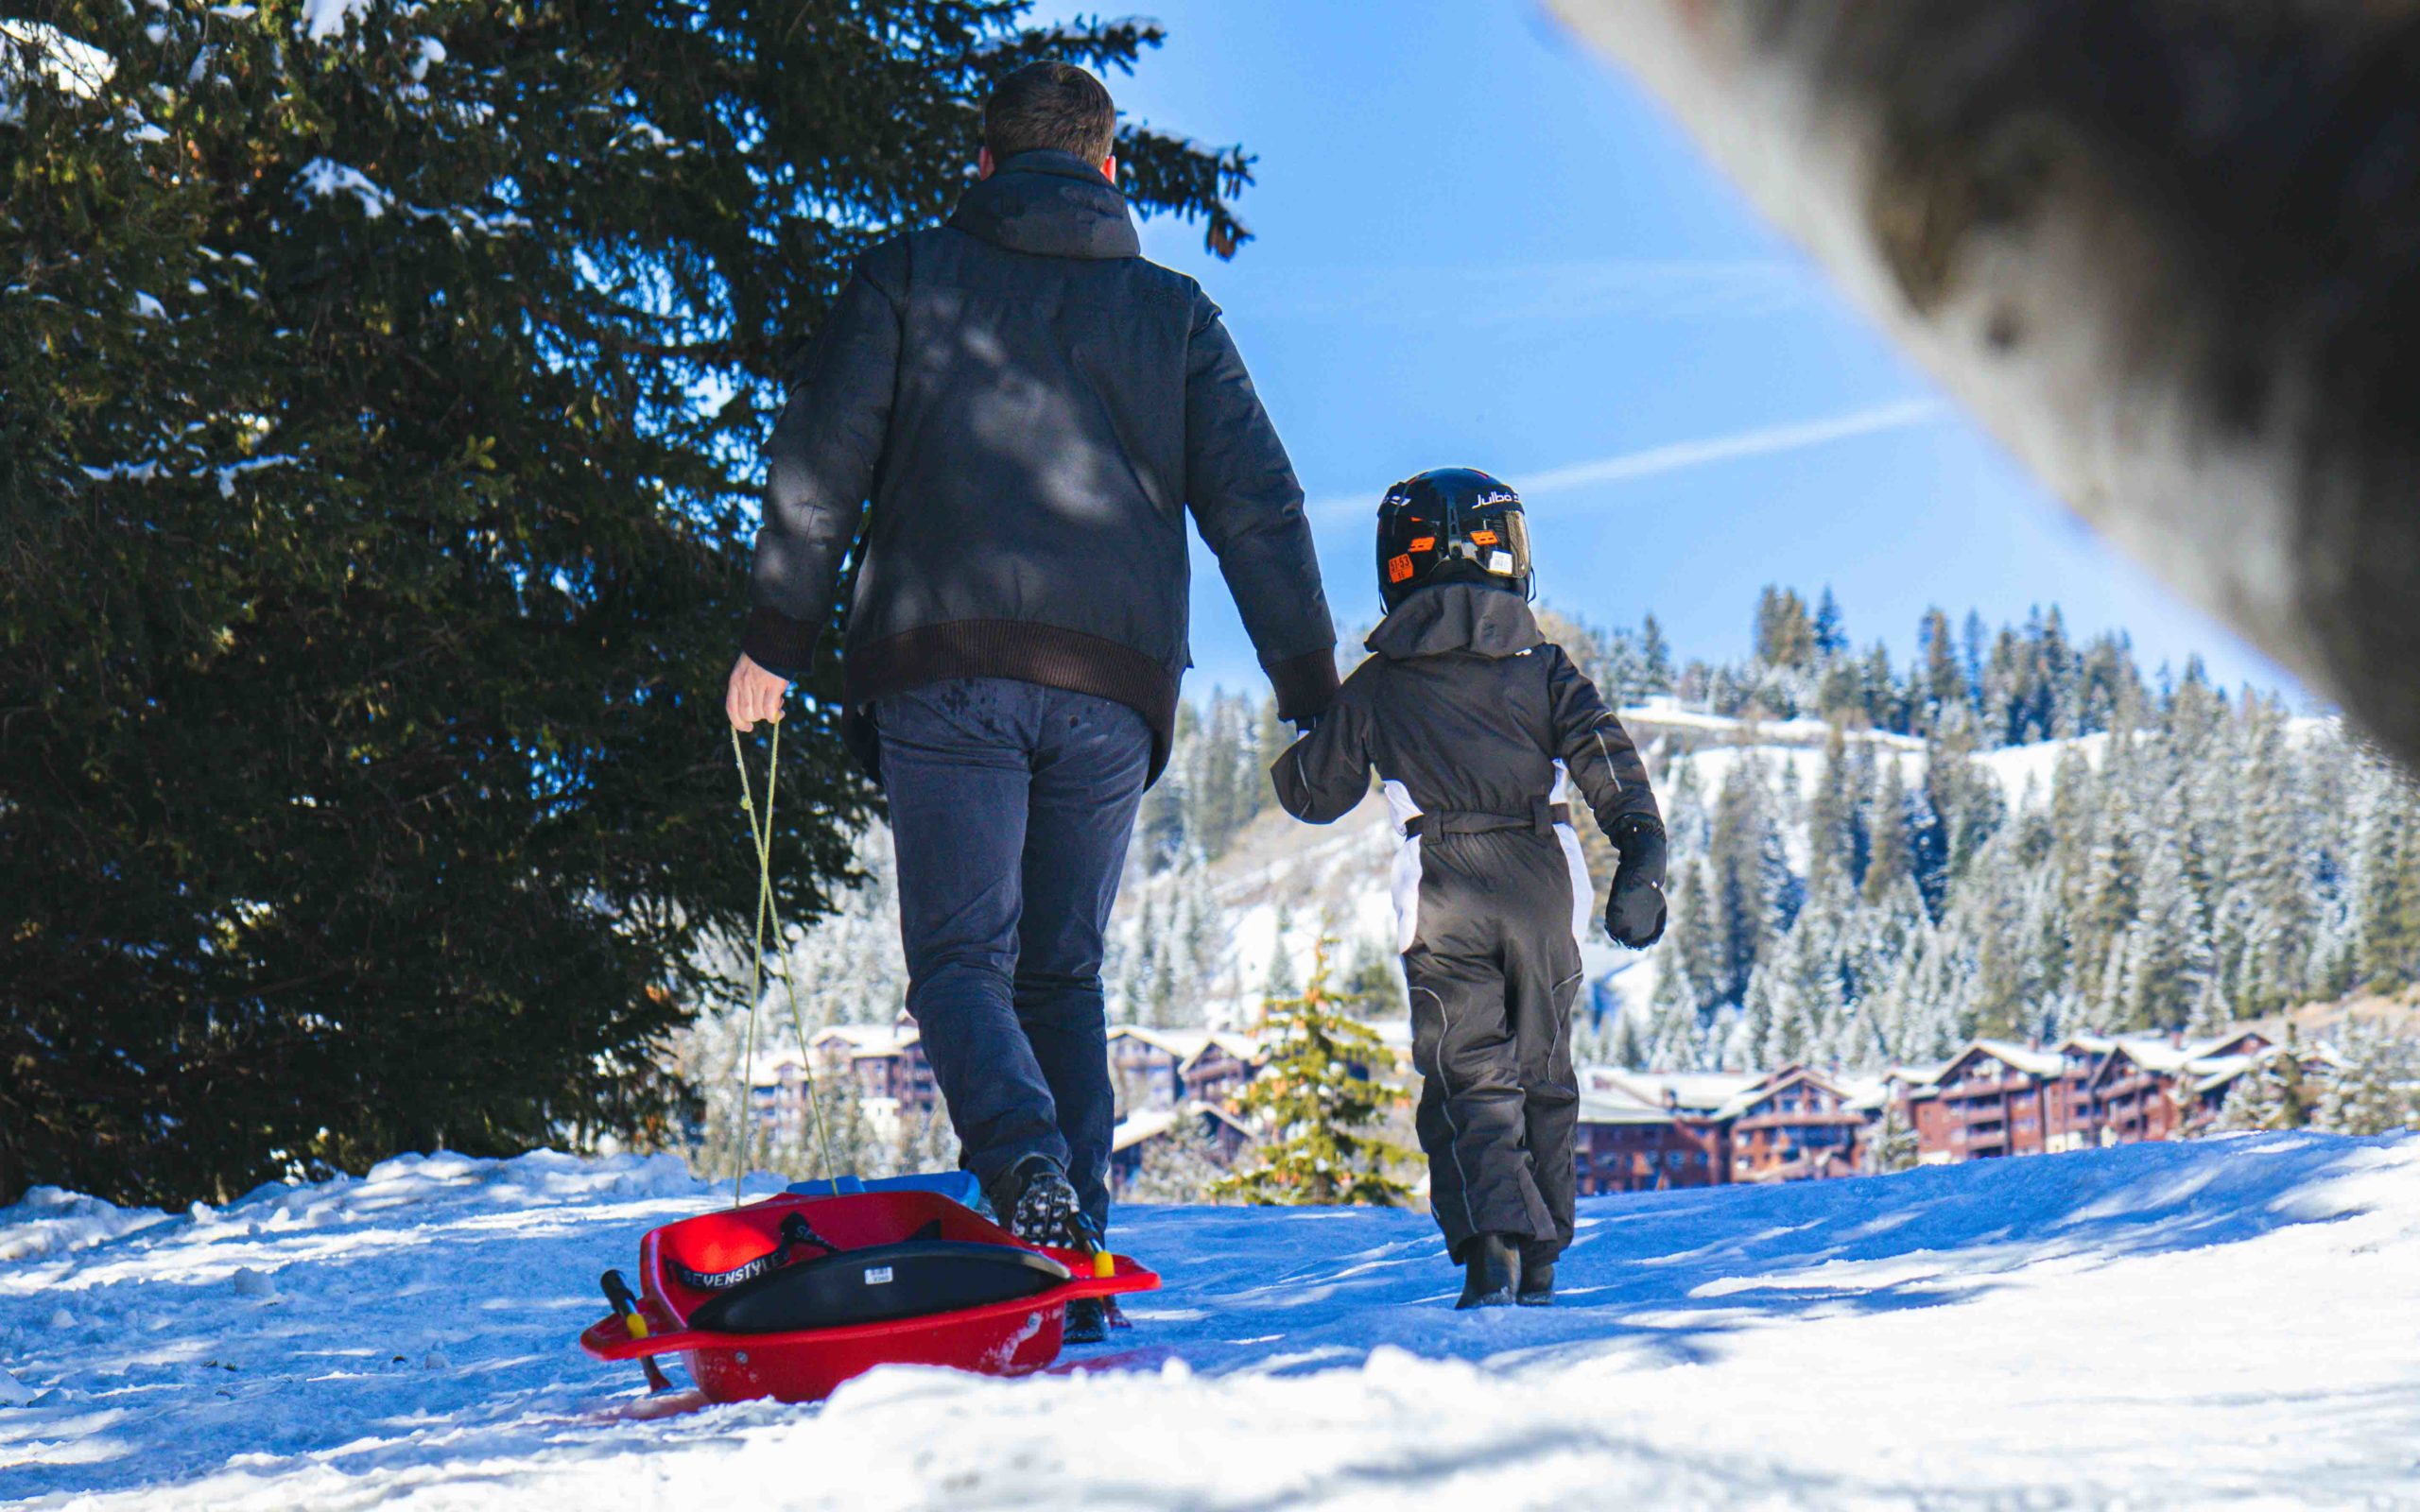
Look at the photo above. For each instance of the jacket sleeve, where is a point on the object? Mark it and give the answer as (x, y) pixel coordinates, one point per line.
(1325, 775)
(819, 469)
(1244, 497)
(1597, 751)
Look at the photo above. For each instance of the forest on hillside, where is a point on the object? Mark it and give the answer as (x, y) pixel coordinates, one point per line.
(2187, 856)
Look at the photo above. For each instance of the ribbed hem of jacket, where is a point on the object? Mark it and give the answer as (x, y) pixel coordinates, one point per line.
(1305, 684)
(1044, 654)
(780, 644)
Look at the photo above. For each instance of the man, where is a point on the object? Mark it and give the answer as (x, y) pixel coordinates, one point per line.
(1032, 409)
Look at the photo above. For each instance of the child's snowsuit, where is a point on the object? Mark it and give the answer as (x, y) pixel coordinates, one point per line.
(1480, 728)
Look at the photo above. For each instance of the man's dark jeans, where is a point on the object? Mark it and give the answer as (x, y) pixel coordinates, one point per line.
(1011, 804)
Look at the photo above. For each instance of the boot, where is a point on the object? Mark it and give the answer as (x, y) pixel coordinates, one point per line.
(1035, 1202)
(1537, 1276)
(1537, 1285)
(1491, 1272)
(1087, 1322)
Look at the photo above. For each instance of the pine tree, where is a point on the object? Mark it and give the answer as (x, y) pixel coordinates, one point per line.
(1940, 683)
(2167, 948)
(1894, 1146)
(1831, 628)
(2375, 1090)
(1655, 657)
(1321, 1100)
(383, 405)
(2273, 1093)
(1893, 857)
(1783, 635)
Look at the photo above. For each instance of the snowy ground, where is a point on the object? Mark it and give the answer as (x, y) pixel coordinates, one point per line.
(2159, 1326)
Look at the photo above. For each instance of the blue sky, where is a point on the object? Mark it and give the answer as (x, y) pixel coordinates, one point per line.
(1477, 245)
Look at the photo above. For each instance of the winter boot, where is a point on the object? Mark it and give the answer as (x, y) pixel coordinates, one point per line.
(1034, 1199)
(1537, 1285)
(1087, 1322)
(1491, 1272)
(1537, 1274)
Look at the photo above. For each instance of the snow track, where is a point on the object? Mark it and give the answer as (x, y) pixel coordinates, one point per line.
(2158, 1325)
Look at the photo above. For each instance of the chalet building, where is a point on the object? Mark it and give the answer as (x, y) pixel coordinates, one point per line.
(1795, 1126)
(1993, 1099)
(1628, 1144)
(1139, 1130)
(886, 1065)
(1166, 1068)
(1216, 1074)
(1651, 1133)
(1146, 1066)
(2150, 1090)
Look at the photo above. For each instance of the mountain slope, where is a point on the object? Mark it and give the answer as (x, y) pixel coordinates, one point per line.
(2166, 1324)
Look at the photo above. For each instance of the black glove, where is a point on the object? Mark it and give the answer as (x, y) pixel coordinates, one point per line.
(1634, 912)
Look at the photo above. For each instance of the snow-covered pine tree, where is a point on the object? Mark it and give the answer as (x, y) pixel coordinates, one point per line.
(2375, 1086)
(1893, 1146)
(384, 384)
(1654, 659)
(2274, 1092)
(1321, 1102)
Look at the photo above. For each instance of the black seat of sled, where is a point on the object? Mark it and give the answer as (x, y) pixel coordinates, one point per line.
(878, 1284)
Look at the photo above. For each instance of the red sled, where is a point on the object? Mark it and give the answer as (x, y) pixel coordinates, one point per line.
(896, 1278)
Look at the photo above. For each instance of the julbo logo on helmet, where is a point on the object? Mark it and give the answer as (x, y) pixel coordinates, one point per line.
(1451, 525)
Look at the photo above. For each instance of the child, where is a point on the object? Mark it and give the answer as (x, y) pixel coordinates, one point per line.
(1478, 727)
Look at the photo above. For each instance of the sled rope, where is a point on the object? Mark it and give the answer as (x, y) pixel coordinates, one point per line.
(760, 835)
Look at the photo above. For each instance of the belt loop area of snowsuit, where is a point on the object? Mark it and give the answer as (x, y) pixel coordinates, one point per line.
(1541, 819)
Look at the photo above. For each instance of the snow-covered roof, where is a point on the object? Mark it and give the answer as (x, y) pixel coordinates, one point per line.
(1621, 1107)
(1177, 1044)
(1695, 1091)
(1151, 1123)
(2023, 1057)
(1142, 1124)
(1780, 1081)
(1863, 1094)
(2216, 1071)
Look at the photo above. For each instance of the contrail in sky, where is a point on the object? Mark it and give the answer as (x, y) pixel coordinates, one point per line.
(1677, 456)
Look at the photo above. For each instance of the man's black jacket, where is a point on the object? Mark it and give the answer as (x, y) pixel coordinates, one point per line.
(1031, 409)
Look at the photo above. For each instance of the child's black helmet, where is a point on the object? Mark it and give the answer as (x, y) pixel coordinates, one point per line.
(1451, 525)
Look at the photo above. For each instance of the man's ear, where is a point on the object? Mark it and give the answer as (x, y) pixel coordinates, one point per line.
(983, 163)
(1108, 167)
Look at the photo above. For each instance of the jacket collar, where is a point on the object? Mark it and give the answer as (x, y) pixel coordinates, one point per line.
(1486, 622)
(1053, 204)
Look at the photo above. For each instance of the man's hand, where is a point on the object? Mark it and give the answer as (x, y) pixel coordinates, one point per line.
(754, 694)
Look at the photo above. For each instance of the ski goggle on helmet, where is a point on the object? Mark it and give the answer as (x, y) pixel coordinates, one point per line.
(1451, 525)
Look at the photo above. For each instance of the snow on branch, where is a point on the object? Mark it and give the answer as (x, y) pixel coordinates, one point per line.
(321, 177)
(324, 20)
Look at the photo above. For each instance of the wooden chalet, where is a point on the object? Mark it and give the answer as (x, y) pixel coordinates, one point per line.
(1794, 1125)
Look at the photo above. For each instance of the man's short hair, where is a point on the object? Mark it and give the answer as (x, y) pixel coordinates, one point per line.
(1049, 107)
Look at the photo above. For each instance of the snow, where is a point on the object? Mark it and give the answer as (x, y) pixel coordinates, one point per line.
(2161, 1325)
(1664, 712)
(326, 19)
(47, 1221)
(323, 177)
(39, 51)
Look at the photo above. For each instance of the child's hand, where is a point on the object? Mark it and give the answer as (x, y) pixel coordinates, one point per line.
(1635, 913)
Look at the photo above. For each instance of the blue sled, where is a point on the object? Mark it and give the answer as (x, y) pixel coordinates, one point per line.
(957, 1186)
